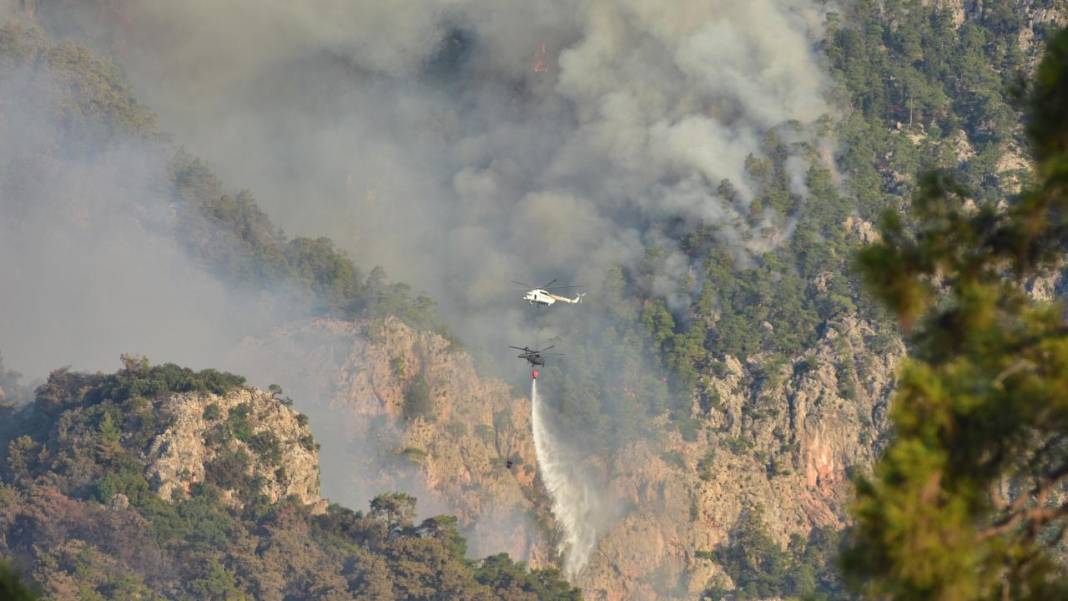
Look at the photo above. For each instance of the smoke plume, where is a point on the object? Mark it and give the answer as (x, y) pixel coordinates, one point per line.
(88, 252)
(419, 137)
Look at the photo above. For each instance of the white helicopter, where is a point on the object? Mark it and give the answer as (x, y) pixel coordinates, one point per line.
(545, 296)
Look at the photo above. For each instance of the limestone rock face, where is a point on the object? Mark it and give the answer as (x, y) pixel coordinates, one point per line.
(399, 409)
(204, 430)
(956, 9)
(1038, 18)
(781, 436)
(863, 230)
(1035, 15)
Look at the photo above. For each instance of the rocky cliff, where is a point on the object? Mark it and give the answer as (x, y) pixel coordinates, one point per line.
(164, 430)
(781, 438)
(399, 409)
(770, 435)
(412, 413)
(246, 430)
(1035, 14)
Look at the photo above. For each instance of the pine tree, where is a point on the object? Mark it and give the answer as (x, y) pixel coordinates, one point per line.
(969, 500)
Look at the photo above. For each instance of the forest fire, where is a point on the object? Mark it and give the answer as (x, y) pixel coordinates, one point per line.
(540, 65)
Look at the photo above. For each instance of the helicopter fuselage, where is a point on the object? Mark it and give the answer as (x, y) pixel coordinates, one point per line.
(544, 298)
(533, 358)
(539, 297)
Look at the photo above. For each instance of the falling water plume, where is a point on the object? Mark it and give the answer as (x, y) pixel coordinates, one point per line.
(574, 500)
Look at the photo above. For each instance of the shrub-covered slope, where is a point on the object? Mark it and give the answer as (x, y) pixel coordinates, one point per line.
(160, 482)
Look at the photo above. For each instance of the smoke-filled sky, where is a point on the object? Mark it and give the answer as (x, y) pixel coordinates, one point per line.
(418, 136)
(89, 260)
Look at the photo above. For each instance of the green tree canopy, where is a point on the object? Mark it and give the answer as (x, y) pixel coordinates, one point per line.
(969, 499)
(397, 509)
(11, 589)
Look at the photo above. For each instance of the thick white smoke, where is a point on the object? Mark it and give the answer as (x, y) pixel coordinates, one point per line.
(89, 260)
(417, 135)
(576, 504)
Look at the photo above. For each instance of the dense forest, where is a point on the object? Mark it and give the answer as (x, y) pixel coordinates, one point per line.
(918, 91)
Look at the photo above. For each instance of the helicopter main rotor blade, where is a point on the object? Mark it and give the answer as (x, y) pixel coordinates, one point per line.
(551, 282)
(524, 284)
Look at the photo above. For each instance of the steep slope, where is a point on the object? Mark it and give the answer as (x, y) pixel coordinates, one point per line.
(793, 369)
(789, 368)
(777, 442)
(281, 452)
(780, 440)
(403, 409)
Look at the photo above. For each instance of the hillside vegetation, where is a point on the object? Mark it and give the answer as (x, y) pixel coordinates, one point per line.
(922, 86)
(757, 391)
(89, 510)
(969, 499)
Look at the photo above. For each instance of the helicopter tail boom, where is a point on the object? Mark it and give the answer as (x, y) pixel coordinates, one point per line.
(564, 299)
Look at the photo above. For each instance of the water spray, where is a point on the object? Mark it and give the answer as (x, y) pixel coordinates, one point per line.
(574, 500)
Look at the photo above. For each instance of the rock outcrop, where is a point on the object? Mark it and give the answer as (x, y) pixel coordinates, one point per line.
(398, 409)
(246, 430)
(83, 467)
(1035, 16)
(782, 437)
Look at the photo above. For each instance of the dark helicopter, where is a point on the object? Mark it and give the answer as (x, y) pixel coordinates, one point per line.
(535, 357)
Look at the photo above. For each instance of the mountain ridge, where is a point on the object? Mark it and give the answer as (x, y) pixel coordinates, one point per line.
(160, 482)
